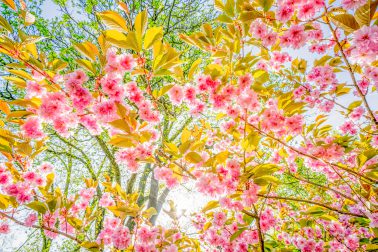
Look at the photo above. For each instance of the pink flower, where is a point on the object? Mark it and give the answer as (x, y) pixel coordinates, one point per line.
(176, 95)
(121, 238)
(352, 242)
(365, 44)
(106, 200)
(4, 178)
(32, 128)
(30, 176)
(294, 124)
(90, 122)
(245, 81)
(306, 11)
(34, 89)
(4, 228)
(106, 111)
(284, 13)
(352, 4)
(147, 235)
(170, 248)
(249, 196)
(348, 127)
(294, 37)
(31, 219)
(127, 62)
(219, 219)
(45, 167)
(53, 105)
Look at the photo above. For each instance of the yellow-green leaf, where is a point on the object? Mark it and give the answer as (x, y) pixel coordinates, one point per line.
(210, 205)
(365, 13)
(4, 23)
(18, 113)
(116, 38)
(87, 49)
(153, 34)
(38, 206)
(265, 4)
(193, 68)
(345, 21)
(86, 64)
(10, 3)
(193, 157)
(141, 23)
(113, 20)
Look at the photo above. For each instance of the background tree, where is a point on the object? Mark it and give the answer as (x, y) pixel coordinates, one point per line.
(83, 155)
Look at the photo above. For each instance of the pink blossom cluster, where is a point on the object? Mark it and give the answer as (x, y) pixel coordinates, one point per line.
(20, 189)
(365, 44)
(305, 9)
(147, 238)
(166, 175)
(145, 108)
(130, 156)
(219, 235)
(259, 30)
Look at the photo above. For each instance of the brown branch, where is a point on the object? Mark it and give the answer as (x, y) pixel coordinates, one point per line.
(312, 203)
(350, 171)
(41, 227)
(350, 70)
(323, 186)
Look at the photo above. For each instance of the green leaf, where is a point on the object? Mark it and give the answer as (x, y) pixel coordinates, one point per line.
(354, 105)
(214, 70)
(91, 246)
(218, 4)
(264, 169)
(315, 211)
(345, 21)
(153, 34)
(113, 20)
(38, 206)
(18, 114)
(149, 213)
(141, 23)
(86, 64)
(193, 157)
(10, 3)
(265, 4)
(224, 19)
(87, 49)
(322, 61)
(229, 8)
(116, 38)
(194, 67)
(247, 16)
(133, 42)
(210, 205)
(265, 180)
(237, 234)
(365, 13)
(4, 201)
(75, 222)
(4, 23)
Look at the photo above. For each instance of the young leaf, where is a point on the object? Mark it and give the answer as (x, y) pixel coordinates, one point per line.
(141, 23)
(10, 3)
(365, 13)
(113, 20)
(153, 34)
(265, 4)
(345, 21)
(40, 207)
(87, 49)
